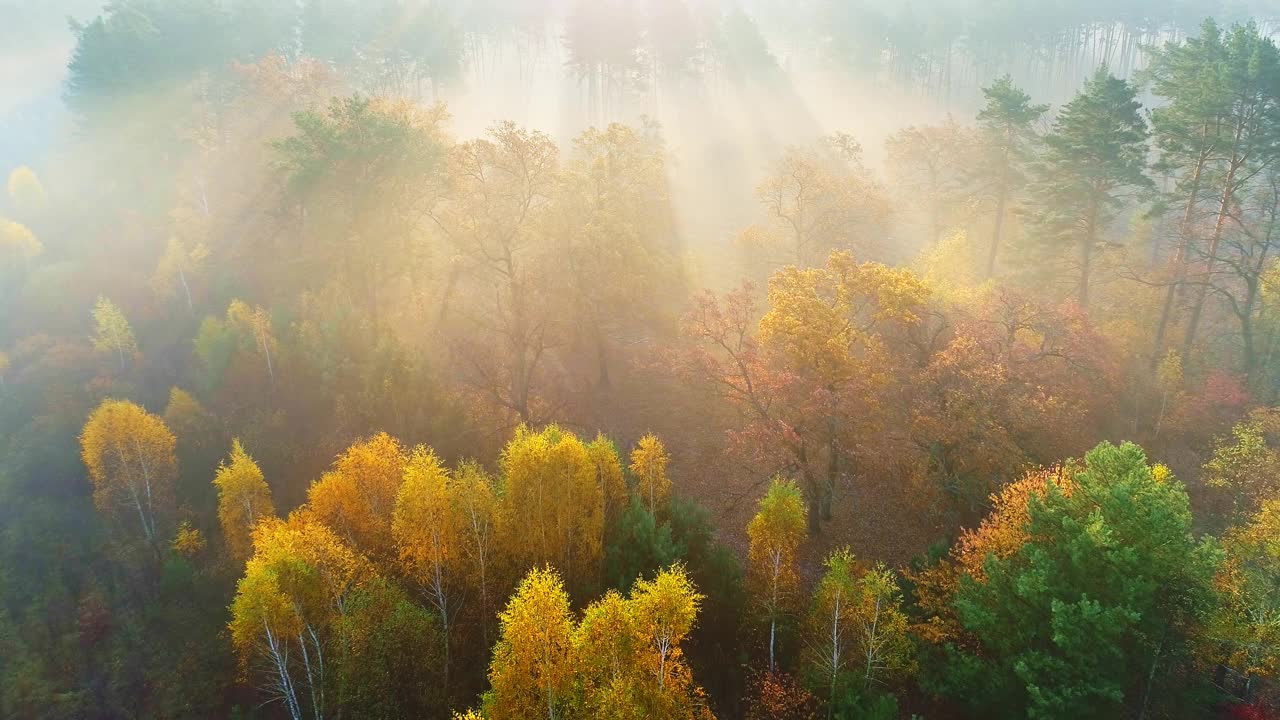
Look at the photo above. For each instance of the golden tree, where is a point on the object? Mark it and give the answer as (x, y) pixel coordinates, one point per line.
(532, 669)
(475, 511)
(357, 497)
(427, 536)
(776, 532)
(244, 499)
(112, 332)
(649, 465)
(553, 504)
(130, 456)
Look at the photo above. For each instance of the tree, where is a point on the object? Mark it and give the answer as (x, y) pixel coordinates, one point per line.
(776, 532)
(255, 323)
(1095, 157)
(619, 248)
(295, 588)
(357, 497)
(17, 241)
(179, 263)
(665, 610)
(27, 191)
(360, 175)
(1248, 125)
(130, 456)
(608, 647)
(112, 332)
(818, 200)
(1006, 126)
(4, 369)
(1248, 465)
(496, 216)
(244, 500)
(1112, 568)
(613, 486)
(427, 536)
(532, 672)
(553, 505)
(857, 635)
(475, 509)
(929, 163)
(1244, 631)
(649, 466)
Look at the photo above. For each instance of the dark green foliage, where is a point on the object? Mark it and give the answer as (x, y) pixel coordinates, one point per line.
(1097, 602)
(637, 546)
(389, 661)
(1095, 158)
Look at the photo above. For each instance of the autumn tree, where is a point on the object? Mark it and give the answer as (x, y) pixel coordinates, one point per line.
(130, 456)
(776, 532)
(357, 497)
(613, 486)
(929, 163)
(1244, 630)
(1006, 138)
(476, 514)
(553, 505)
(1094, 159)
(26, 191)
(532, 672)
(178, 266)
(244, 500)
(649, 466)
(1247, 465)
(427, 538)
(112, 332)
(856, 635)
(817, 200)
(254, 325)
(296, 586)
(495, 215)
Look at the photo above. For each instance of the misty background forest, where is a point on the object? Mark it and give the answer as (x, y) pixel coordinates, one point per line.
(630, 359)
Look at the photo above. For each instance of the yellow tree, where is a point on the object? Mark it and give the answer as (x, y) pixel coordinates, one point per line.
(4, 368)
(816, 200)
(775, 533)
(608, 651)
(427, 536)
(294, 587)
(883, 643)
(475, 510)
(665, 610)
(1244, 631)
(553, 504)
(649, 465)
(130, 456)
(1248, 466)
(17, 241)
(176, 267)
(254, 322)
(357, 497)
(112, 332)
(830, 332)
(532, 670)
(244, 499)
(27, 191)
(613, 486)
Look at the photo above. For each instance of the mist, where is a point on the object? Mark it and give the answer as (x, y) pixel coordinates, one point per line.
(677, 359)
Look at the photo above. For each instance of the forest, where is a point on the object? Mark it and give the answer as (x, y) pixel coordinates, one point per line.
(621, 359)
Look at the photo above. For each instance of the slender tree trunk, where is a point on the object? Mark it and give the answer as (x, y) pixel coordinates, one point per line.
(1179, 260)
(1001, 200)
(1224, 205)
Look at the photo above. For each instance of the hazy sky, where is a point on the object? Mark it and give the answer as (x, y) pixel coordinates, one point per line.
(35, 43)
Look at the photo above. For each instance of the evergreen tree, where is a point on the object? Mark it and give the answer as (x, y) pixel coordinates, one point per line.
(1094, 157)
